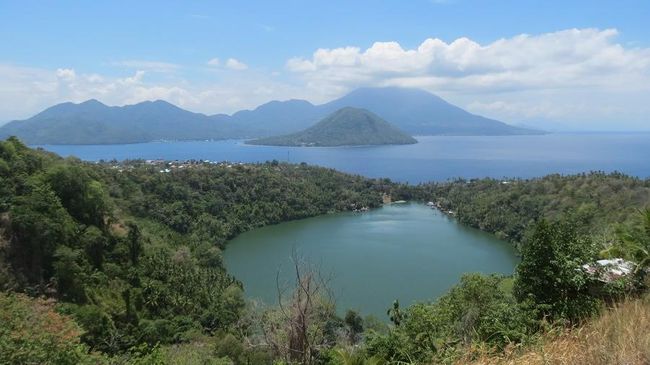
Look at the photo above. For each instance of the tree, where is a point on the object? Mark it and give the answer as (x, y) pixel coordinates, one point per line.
(95, 244)
(550, 274)
(300, 328)
(635, 242)
(70, 273)
(83, 197)
(134, 243)
(354, 323)
(39, 223)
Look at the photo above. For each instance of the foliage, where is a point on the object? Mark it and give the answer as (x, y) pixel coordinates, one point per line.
(212, 204)
(620, 335)
(510, 208)
(31, 332)
(476, 310)
(634, 243)
(354, 324)
(353, 357)
(550, 273)
(133, 254)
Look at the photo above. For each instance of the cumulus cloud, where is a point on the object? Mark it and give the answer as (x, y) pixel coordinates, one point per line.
(566, 62)
(214, 62)
(570, 58)
(234, 64)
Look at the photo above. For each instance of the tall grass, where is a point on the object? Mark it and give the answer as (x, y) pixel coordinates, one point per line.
(620, 335)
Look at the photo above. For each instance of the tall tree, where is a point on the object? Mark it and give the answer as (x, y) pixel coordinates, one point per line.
(550, 272)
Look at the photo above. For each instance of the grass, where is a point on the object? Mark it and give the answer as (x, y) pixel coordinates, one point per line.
(620, 335)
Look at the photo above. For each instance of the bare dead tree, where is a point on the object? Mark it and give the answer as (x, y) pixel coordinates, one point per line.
(296, 330)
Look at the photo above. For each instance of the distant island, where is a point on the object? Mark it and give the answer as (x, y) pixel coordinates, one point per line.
(347, 126)
(414, 111)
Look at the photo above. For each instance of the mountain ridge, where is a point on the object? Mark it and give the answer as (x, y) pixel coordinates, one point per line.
(416, 112)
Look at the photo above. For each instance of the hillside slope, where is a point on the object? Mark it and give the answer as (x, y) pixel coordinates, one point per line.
(92, 122)
(345, 127)
(620, 335)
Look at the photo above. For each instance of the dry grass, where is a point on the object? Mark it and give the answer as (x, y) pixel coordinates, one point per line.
(619, 336)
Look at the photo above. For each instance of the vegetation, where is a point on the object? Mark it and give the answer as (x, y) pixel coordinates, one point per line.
(345, 127)
(621, 335)
(596, 203)
(121, 263)
(550, 274)
(132, 253)
(31, 332)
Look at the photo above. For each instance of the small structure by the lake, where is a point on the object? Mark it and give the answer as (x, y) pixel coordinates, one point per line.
(609, 270)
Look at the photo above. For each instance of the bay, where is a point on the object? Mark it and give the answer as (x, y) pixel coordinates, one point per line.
(434, 158)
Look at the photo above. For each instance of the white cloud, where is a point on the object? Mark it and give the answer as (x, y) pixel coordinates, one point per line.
(581, 78)
(571, 58)
(236, 65)
(152, 66)
(574, 63)
(66, 74)
(230, 64)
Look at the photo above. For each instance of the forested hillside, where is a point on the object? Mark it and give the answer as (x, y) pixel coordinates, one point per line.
(132, 252)
(120, 263)
(599, 203)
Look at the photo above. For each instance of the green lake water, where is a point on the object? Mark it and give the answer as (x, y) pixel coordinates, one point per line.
(402, 251)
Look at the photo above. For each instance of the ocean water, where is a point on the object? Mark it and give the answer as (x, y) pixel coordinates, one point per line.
(434, 158)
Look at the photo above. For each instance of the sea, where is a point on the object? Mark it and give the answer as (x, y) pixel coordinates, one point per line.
(433, 158)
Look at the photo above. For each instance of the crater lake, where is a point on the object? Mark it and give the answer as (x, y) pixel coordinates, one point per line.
(410, 251)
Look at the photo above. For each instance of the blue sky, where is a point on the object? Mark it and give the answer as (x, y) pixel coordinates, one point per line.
(123, 52)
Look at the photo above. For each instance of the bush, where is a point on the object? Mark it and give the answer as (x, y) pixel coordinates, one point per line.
(477, 310)
(31, 332)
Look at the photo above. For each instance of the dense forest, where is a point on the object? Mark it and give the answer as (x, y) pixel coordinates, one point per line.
(120, 263)
(600, 204)
(133, 253)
